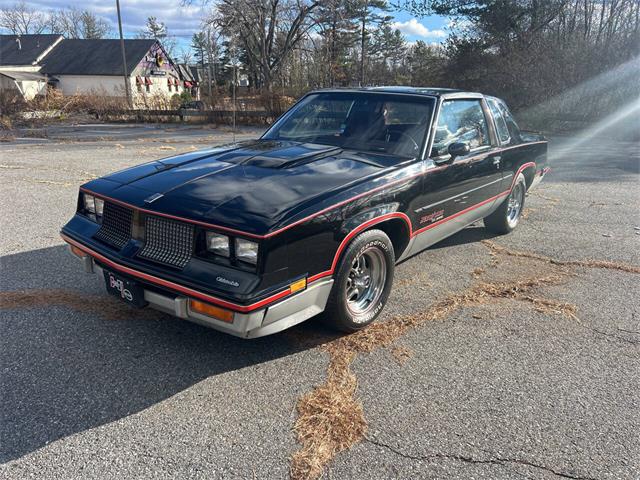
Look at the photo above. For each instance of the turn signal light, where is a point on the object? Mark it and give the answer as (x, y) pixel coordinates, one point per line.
(211, 311)
(298, 285)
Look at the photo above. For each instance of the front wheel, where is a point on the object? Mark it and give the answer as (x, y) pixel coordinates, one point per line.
(363, 282)
(507, 216)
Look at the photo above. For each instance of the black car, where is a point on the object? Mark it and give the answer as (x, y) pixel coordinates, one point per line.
(194, 105)
(254, 237)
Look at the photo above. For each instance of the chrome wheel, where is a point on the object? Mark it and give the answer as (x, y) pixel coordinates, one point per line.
(366, 281)
(514, 204)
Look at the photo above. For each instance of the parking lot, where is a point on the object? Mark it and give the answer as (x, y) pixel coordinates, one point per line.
(497, 357)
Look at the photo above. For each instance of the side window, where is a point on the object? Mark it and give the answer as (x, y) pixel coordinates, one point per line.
(511, 123)
(501, 124)
(460, 121)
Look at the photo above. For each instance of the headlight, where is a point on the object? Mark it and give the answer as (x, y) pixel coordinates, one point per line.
(89, 203)
(247, 251)
(92, 207)
(99, 206)
(218, 244)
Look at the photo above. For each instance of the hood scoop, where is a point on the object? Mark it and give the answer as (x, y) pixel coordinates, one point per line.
(291, 156)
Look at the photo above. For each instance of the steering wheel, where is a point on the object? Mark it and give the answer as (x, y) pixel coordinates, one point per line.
(406, 135)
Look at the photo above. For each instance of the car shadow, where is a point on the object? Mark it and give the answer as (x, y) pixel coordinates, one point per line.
(472, 234)
(66, 368)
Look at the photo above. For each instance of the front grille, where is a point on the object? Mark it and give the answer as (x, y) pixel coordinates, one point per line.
(116, 225)
(167, 241)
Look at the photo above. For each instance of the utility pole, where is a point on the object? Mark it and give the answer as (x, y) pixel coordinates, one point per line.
(125, 74)
(209, 60)
(363, 40)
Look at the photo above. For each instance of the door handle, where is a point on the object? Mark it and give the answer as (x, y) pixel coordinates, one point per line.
(496, 161)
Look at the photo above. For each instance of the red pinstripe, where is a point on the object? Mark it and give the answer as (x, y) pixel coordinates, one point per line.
(297, 222)
(412, 233)
(273, 298)
(175, 286)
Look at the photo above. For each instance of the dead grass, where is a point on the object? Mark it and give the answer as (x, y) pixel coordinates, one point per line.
(623, 267)
(477, 272)
(331, 419)
(553, 200)
(526, 212)
(102, 305)
(552, 307)
(401, 354)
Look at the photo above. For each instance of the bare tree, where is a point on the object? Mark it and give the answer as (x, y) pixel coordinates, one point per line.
(76, 23)
(23, 20)
(158, 30)
(185, 56)
(267, 30)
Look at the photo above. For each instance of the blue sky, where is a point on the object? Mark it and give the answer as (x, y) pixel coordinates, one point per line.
(183, 21)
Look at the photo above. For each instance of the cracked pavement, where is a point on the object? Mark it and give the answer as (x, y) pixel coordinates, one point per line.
(498, 390)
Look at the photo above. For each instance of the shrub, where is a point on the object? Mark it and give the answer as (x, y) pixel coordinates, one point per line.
(11, 103)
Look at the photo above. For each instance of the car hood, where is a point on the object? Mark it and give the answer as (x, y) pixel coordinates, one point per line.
(252, 186)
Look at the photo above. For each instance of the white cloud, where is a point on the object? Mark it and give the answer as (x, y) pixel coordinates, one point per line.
(416, 29)
(181, 20)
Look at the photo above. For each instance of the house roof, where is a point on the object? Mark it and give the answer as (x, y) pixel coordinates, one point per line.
(185, 72)
(195, 73)
(27, 50)
(94, 56)
(21, 76)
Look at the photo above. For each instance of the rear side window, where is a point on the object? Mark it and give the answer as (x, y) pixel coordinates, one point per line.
(501, 125)
(460, 121)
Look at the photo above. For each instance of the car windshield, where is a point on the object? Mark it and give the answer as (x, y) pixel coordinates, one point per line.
(373, 122)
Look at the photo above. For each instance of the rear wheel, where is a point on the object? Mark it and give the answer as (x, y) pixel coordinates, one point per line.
(363, 282)
(507, 216)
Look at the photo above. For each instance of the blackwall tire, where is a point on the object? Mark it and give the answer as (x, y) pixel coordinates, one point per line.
(507, 216)
(362, 283)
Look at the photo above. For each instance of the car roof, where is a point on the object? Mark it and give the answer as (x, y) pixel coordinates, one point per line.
(426, 91)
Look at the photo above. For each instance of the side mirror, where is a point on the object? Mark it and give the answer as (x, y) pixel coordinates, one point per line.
(458, 149)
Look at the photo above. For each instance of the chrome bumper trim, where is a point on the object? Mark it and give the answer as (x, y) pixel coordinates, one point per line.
(259, 323)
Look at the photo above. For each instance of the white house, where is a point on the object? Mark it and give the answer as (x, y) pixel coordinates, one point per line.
(95, 66)
(28, 63)
(19, 62)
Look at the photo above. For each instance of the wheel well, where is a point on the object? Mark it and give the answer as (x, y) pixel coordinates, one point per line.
(529, 174)
(397, 231)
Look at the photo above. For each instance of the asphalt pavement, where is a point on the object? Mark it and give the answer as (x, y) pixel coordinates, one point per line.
(503, 357)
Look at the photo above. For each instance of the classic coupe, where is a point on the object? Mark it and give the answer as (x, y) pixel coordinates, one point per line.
(312, 217)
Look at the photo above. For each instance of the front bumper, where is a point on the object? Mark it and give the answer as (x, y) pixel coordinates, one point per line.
(257, 323)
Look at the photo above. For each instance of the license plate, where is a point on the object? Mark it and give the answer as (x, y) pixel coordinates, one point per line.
(126, 290)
